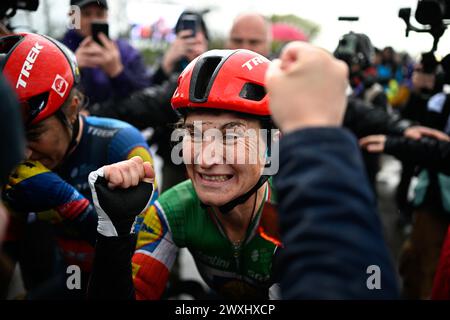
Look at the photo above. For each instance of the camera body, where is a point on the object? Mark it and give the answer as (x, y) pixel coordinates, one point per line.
(432, 12)
(8, 8)
(355, 49)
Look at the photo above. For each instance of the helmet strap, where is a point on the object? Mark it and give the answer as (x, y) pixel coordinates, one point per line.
(226, 208)
(73, 129)
(241, 199)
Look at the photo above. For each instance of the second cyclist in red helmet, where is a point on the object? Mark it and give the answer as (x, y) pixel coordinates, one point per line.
(62, 145)
(224, 214)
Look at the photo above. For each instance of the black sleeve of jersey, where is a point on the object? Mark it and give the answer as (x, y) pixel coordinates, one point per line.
(111, 276)
(426, 152)
(364, 120)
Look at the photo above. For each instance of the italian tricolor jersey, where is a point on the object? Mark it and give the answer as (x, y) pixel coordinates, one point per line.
(178, 220)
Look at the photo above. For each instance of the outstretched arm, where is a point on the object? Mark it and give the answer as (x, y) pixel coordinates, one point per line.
(328, 218)
(426, 152)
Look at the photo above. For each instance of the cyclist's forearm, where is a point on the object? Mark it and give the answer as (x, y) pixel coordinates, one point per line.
(86, 224)
(111, 276)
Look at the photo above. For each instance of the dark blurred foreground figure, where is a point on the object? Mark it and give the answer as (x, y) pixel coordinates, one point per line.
(12, 149)
(333, 244)
(318, 184)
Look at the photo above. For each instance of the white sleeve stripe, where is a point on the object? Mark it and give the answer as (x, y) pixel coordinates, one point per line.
(105, 226)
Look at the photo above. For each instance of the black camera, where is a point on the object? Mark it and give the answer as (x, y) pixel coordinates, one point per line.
(355, 49)
(432, 12)
(8, 8)
(434, 15)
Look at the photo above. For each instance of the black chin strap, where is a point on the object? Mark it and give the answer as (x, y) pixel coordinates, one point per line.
(241, 199)
(75, 128)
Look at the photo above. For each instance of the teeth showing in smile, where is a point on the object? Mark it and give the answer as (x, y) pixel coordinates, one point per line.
(215, 178)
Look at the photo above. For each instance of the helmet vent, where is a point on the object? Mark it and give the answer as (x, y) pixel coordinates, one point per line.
(8, 43)
(6, 46)
(33, 106)
(252, 91)
(204, 76)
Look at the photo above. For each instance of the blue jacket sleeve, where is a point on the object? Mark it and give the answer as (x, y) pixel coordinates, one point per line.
(328, 220)
(124, 141)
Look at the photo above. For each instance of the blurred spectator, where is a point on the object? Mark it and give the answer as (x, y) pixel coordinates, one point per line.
(423, 86)
(111, 70)
(251, 31)
(388, 68)
(390, 74)
(183, 50)
(399, 89)
(431, 201)
(357, 51)
(12, 149)
(407, 65)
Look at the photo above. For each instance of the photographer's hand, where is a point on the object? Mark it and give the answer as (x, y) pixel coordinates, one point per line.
(107, 57)
(374, 143)
(184, 46)
(110, 57)
(419, 132)
(86, 53)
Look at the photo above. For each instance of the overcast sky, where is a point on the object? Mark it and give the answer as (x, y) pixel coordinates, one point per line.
(378, 18)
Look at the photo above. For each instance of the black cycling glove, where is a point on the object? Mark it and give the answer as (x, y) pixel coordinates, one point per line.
(118, 208)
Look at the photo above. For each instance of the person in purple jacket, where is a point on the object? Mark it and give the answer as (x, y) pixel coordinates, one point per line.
(112, 70)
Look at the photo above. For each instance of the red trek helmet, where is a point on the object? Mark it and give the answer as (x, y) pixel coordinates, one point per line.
(41, 70)
(227, 80)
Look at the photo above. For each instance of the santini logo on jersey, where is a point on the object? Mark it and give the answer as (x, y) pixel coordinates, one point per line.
(28, 65)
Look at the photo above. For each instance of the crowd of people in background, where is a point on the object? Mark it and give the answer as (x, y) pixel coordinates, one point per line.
(396, 105)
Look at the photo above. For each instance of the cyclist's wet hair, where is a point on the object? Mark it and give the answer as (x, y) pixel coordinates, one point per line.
(75, 92)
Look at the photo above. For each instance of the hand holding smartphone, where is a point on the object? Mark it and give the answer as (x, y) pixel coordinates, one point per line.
(189, 22)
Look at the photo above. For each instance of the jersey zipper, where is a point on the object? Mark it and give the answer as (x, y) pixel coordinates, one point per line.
(237, 246)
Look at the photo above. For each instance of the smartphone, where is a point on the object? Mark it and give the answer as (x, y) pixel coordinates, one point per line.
(96, 28)
(189, 22)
